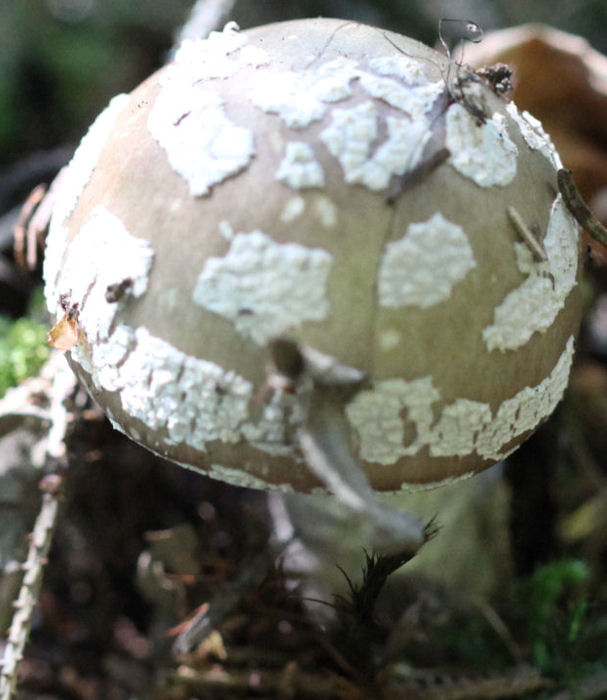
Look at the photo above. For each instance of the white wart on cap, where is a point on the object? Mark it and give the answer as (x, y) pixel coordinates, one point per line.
(274, 183)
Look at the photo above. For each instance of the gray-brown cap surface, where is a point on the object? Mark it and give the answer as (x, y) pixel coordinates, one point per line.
(318, 181)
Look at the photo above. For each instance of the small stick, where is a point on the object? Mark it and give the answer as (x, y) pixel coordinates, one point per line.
(323, 386)
(62, 387)
(24, 257)
(205, 17)
(526, 234)
(41, 538)
(578, 207)
(210, 616)
(419, 173)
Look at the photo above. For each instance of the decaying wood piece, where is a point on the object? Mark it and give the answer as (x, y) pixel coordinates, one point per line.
(55, 395)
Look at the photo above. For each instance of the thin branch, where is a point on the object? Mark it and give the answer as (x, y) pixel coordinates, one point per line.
(62, 386)
(526, 234)
(205, 16)
(210, 616)
(577, 206)
(25, 604)
(323, 387)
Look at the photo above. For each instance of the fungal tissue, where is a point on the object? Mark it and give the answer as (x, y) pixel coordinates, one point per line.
(265, 288)
(422, 267)
(73, 182)
(461, 428)
(533, 305)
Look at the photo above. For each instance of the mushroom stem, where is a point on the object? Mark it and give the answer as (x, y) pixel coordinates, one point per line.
(323, 386)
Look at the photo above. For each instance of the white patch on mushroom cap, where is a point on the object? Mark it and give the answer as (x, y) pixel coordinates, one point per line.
(225, 229)
(294, 207)
(533, 306)
(377, 416)
(458, 427)
(401, 151)
(299, 98)
(80, 168)
(407, 69)
(55, 246)
(350, 138)
(265, 287)
(202, 144)
(194, 400)
(325, 210)
(74, 178)
(484, 153)
(220, 55)
(416, 101)
(526, 410)
(299, 168)
(381, 417)
(535, 136)
(103, 254)
(422, 267)
(105, 358)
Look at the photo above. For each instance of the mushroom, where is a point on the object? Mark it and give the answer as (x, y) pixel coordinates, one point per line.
(311, 256)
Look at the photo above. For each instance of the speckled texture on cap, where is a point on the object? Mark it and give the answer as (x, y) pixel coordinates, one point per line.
(291, 181)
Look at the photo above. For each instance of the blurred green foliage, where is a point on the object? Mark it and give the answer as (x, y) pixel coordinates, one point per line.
(555, 607)
(23, 350)
(62, 60)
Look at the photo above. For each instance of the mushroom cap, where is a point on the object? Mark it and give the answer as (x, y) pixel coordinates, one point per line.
(291, 181)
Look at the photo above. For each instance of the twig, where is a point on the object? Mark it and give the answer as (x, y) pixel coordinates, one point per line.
(40, 543)
(323, 387)
(205, 16)
(578, 207)
(537, 249)
(210, 616)
(61, 388)
(419, 173)
(500, 628)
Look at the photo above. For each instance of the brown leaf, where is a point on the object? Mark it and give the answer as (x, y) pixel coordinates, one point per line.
(64, 334)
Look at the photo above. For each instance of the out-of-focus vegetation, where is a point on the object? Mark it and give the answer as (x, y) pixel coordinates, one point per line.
(62, 59)
(23, 347)
(23, 350)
